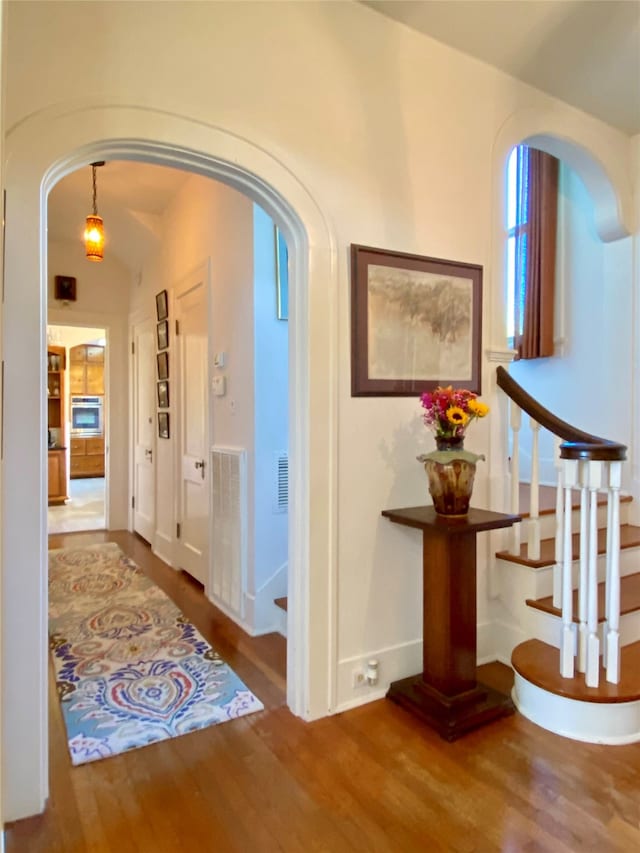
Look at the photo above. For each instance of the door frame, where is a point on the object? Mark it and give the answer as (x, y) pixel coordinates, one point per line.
(40, 151)
(60, 317)
(178, 287)
(136, 318)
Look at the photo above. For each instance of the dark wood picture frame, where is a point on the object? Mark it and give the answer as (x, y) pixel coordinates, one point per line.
(416, 323)
(65, 288)
(162, 334)
(163, 425)
(162, 359)
(162, 305)
(163, 394)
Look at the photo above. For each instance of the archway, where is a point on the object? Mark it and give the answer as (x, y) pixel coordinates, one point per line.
(601, 164)
(39, 155)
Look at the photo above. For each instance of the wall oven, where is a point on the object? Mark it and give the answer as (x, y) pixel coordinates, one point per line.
(86, 416)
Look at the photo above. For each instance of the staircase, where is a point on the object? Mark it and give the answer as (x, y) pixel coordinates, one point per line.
(281, 605)
(571, 592)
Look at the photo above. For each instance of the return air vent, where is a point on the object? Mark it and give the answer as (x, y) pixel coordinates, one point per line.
(281, 499)
(229, 519)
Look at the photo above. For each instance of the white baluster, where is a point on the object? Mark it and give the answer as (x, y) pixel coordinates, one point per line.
(533, 542)
(567, 640)
(515, 475)
(557, 569)
(592, 674)
(613, 576)
(608, 567)
(583, 577)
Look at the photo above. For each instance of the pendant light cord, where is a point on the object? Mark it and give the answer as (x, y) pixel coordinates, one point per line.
(95, 192)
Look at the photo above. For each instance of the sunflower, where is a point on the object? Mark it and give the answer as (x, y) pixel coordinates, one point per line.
(477, 408)
(456, 416)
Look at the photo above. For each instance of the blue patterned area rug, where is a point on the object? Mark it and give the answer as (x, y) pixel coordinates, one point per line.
(130, 668)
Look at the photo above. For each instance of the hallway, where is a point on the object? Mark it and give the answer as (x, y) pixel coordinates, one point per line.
(83, 511)
(369, 779)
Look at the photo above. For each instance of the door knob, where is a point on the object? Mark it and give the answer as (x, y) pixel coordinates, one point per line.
(149, 454)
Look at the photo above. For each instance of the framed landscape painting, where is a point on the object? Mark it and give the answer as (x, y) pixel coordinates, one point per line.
(416, 323)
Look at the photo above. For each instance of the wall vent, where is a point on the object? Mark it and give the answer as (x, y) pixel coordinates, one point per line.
(229, 523)
(281, 497)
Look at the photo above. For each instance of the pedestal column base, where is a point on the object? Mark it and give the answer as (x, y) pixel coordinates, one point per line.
(450, 716)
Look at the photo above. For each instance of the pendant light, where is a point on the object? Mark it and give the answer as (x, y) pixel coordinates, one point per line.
(94, 230)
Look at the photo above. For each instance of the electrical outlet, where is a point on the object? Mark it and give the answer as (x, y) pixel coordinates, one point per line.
(358, 678)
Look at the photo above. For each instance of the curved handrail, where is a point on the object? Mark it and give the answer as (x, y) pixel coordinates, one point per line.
(576, 443)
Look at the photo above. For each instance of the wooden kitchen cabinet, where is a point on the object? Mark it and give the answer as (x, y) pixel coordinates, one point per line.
(86, 371)
(87, 457)
(57, 477)
(56, 425)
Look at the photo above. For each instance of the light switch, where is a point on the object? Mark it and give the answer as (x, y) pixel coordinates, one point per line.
(219, 359)
(219, 386)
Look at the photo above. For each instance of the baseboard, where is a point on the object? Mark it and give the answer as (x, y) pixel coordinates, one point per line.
(260, 611)
(372, 696)
(394, 662)
(163, 547)
(241, 623)
(496, 641)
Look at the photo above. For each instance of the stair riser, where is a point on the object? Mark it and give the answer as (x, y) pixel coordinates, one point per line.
(593, 722)
(546, 627)
(548, 522)
(629, 561)
(538, 583)
(281, 621)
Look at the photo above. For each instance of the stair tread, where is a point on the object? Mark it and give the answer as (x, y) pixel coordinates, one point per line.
(539, 663)
(281, 602)
(629, 598)
(629, 538)
(547, 499)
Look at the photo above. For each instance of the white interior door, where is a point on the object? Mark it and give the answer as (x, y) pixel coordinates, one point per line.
(191, 308)
(144, 385)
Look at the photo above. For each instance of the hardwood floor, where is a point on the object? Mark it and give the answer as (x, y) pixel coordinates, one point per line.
(371, 779)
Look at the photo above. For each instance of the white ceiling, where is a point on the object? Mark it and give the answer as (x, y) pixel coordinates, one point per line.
(585, 53)
(131, 200)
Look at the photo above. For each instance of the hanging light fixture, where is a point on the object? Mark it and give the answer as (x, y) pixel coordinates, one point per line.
(94, 230)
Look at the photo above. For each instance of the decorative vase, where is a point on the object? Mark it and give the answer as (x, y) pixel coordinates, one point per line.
(450, 471)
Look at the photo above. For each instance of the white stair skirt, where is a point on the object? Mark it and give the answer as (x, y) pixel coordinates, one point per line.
(592, 722)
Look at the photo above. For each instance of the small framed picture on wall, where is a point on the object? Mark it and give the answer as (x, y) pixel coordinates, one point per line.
(162, 334)
(162, 305)
(163, 425)
(163, 365)
(163, 394)
(65, 288)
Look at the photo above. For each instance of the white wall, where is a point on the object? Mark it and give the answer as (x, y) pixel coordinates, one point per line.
(388, 137)
(102, 291)
(635, 447)
(268, 578)
(581, 384)
(206, 219)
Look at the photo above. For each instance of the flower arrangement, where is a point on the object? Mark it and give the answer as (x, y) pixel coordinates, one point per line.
(449, 411)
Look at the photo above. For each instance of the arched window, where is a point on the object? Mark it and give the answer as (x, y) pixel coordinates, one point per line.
(532, 214)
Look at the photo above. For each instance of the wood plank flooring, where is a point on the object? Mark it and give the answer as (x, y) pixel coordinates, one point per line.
(371, 779)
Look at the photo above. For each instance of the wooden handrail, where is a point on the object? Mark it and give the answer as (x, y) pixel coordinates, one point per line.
(576, 443)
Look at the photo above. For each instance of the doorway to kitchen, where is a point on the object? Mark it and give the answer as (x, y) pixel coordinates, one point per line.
(77, 428)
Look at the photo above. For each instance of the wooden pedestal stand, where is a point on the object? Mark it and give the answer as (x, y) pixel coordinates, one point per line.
(447, 694)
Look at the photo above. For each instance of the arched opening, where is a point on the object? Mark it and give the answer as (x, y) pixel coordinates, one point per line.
(592, 303)
(311, 658)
